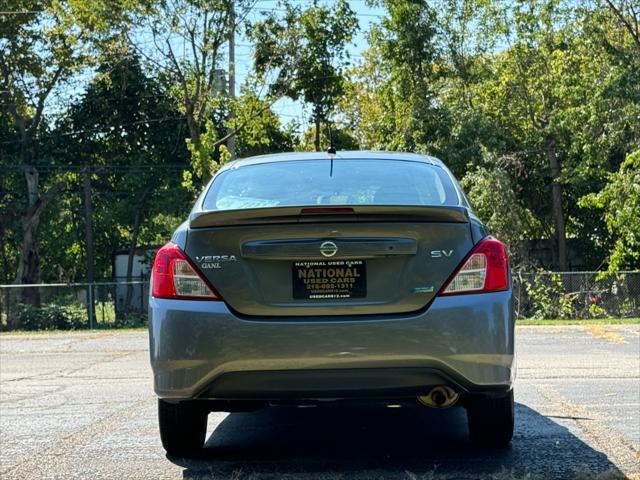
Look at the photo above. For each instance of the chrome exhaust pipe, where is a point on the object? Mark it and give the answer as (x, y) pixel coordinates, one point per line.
(441, 396)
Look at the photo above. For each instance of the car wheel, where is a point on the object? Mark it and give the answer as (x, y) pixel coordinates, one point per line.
(491, 420)
(183, 427)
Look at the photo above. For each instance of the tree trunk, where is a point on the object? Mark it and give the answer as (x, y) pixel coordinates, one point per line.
(29, 262)
(556, 207)
(88, 229)
(231, 142)
(137, 222)
(316, 141)
(192, 124)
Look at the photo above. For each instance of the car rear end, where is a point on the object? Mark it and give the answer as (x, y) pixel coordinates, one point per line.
(365, 277)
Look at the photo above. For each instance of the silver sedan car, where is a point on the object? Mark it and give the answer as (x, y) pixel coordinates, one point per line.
(315, 278)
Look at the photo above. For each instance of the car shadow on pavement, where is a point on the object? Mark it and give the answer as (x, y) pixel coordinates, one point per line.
(410, 442)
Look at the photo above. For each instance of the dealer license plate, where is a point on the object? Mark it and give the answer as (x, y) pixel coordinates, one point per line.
(330, 279)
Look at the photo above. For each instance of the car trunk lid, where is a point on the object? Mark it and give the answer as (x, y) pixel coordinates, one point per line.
(293, 261)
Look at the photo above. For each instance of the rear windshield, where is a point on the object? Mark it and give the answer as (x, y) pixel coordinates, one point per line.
(318, 182)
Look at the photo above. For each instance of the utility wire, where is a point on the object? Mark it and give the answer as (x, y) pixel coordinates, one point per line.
(106, 170)
(111, 128)
(258, 8)
(21, 12)
(106, 129)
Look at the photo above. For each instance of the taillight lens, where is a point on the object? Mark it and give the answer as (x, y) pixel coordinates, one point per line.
(485, 269)
(175, 277)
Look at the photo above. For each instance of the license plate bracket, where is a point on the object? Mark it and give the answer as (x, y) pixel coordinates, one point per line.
(329, 279)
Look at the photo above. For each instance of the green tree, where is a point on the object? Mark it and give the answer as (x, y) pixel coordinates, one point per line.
(40, 53)
(412, 89)
(134, 151)
(548, 86)
(410, 56)
(188, 37)
(308, 49)
(495, 198)
(619, 202)
(340, 138)
(10, 199)
(261, 130)
(544, 97)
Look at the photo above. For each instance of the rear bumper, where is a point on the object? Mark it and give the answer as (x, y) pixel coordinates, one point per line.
(203, 350)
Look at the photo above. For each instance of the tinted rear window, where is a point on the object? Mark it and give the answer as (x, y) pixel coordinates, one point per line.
(317, 182)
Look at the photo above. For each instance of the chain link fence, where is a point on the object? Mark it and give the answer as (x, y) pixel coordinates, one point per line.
(576, 295)
(116, 304)
(70, 306)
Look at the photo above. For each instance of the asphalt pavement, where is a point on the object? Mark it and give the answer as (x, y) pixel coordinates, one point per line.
(81, 405)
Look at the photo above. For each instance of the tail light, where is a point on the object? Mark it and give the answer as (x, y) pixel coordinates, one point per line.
(485, 269)
(174, 276)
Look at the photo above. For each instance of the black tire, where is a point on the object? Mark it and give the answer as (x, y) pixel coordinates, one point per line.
(491, 421)
(183, 427)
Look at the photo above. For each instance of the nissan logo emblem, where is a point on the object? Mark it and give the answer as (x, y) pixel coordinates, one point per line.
(328, 249)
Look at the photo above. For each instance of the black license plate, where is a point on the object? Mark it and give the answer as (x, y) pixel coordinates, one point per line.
(331, 279)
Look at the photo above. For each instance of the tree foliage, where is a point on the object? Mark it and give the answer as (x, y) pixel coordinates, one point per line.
(533, 104)
(496, 199)
(187, 41)
(132, 142)
(547, 86)
(44, 45)
(307, 47)
(619, 201)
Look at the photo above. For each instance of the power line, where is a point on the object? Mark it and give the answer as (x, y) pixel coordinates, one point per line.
(282, 10)
(21, 12)
(111, 128)
(98, 168)
(106, 129)
(258, 8)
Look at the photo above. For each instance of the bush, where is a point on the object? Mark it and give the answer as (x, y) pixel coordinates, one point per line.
(548, 298)
(131, 320)
(576, 295)
(51, 317)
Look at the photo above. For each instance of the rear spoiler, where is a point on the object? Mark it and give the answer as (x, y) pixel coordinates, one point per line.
(329, 214)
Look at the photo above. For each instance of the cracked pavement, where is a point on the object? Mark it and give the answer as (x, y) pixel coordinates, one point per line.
(81, 405)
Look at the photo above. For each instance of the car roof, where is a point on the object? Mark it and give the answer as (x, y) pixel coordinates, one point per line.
(351, 154)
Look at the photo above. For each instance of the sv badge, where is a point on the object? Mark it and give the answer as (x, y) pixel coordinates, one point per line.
(441, 253)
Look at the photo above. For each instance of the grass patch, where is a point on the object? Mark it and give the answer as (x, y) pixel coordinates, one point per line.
(80, 330)
(587, 321)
